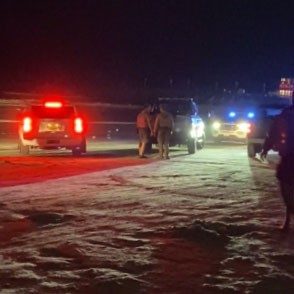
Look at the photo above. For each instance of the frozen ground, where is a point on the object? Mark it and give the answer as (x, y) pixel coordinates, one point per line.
(206, 223)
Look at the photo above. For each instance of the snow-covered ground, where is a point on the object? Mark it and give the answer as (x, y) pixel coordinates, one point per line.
(203, 223)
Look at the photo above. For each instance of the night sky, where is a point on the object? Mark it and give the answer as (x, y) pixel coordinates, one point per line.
(116, 47)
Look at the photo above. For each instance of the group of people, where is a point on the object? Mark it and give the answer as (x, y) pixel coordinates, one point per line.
(280, 137)
(161, 129)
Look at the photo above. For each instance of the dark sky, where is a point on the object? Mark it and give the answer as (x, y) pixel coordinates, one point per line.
(94, 46)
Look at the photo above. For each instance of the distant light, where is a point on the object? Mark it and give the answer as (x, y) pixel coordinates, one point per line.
(250, 114)
(232, 114)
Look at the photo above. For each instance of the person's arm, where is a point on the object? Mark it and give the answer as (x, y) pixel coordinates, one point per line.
(149, 124)
(156, 125)
(172, 123)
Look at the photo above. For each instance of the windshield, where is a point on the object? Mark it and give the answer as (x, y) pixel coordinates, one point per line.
(179, 107)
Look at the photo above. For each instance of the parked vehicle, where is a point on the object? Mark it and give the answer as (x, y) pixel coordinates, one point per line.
(189, 128)
(52, 124)
(232, 126)
(260, 126)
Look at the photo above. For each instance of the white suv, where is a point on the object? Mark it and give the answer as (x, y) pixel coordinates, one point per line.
(52, 125)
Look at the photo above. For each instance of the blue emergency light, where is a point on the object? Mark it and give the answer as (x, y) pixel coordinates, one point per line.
(250, 114)
(232, 114)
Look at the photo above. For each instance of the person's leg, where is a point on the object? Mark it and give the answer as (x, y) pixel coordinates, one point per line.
(142, 149)
(143, 141)
(140, 134)
(287, 191)
(166, 143)
(160, 142)
(139, 146)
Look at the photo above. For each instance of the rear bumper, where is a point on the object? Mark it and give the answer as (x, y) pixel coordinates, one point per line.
(54, 143)
(229, 135)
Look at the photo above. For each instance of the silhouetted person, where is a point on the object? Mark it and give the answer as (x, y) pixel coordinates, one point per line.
(281, 138)
(163, 127)
(144, 129)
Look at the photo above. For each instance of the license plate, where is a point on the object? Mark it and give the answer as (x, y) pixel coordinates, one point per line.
(52, 127)
(229, 127)
(53, 141)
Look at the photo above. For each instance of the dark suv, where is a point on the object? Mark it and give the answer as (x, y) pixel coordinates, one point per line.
(189, 127)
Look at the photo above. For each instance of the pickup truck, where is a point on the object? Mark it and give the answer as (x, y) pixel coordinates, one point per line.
(51, 124)
(189, 127)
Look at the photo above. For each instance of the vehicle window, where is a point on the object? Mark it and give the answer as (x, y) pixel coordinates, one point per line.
(178, 107)
(61, 113)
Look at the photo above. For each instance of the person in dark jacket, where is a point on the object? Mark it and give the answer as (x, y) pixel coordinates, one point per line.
(281, 138)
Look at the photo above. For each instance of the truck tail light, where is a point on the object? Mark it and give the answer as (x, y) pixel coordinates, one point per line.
(78, 125)
(27, 124)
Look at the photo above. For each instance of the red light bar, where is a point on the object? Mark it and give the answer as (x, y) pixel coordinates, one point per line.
(53, 104)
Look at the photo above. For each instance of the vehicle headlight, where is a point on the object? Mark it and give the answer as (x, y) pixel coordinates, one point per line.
(201, 126)
(244, 127)
(193, 133)
(216, 125)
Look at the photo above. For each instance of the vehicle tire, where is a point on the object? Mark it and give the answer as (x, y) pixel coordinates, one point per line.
(76, 151)
(24, 149)
(258, 148)
(251, 151)
(83, 146)
(191, 144)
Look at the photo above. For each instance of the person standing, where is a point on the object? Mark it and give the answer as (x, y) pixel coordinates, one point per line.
(281, 138)
(144, 128)
(164, 124)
